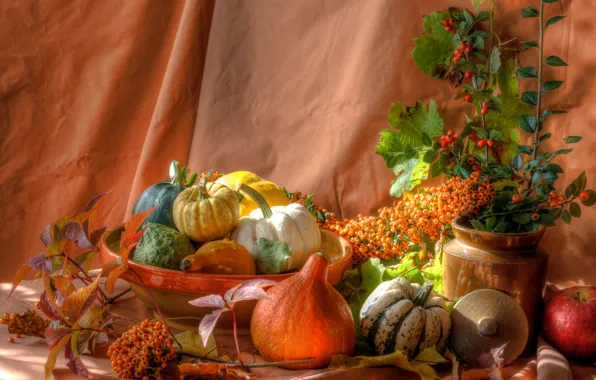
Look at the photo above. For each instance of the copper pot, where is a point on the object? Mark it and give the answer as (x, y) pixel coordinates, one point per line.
(511, 262)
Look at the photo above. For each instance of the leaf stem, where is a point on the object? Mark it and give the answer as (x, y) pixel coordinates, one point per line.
(236, 334)
(111, 300)
(540, 52)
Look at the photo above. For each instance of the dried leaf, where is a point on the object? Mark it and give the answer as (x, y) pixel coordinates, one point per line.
(95, 201)
(53, 355)
(208, 324)
(130, 242)
(396, 359)
(18, 278)
(259, 282)
(53, 335)
(45, 236)
(133, 225)
(101, 338)
(209, 301)
(213, 371)
(78, 303)
(249, 293)
(48, 308)
(72, 231)
(37, 262)
(192, 343)
(74, 360)
(113, 277)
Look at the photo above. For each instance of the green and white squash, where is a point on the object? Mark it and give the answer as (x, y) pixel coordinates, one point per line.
(400, 316)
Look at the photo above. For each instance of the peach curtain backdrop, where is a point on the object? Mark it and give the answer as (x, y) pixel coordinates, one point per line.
(103, 95)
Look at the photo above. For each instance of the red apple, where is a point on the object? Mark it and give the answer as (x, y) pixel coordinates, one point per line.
(570, 322)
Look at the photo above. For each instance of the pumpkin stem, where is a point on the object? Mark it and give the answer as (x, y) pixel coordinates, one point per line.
(202, 190)
(178, 175)
(423, 293)
(258, 198)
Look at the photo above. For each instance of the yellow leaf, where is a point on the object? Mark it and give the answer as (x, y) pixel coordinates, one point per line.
(19, 277)
(75, 302)
(47, 285)
(431, 356)
(114, 275)
(51, 362)
(192, 343)
(396, 359)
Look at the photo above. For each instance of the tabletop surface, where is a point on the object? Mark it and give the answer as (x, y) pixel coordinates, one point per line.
(25, 358)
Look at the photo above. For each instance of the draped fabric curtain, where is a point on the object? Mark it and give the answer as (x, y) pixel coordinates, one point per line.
(103, 95)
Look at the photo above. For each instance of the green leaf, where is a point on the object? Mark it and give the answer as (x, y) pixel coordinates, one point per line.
(434, 272)
(435, 170)
(572, 139)
(527, 123)
(409, 124)
(550, 177)
(555, 213)
(434, 49)
(530, 11)
(559, 152)
(491, 223)
(272, 256)
(372, 274)
(522, 218)
(547, 113)
(570, 190)
(555, 168)
(525, 149)
(529, 44)
(192, 343)
(468, 17)
(426, 140)
(479, 43)
(575, 210)
(566, 216)
(553, 20)
(495, 60)
(407, 268)
(517, 162)
(553, 60)
(580, 183)
(550, 1)
(530, 97)
(591, 200)
(494, 134)
(545, 137)
(477, 3)
(547, 220)
(482, 16)
(527, 72)
(429, 156)
(478, 226)
(551, 85)
(536, 176)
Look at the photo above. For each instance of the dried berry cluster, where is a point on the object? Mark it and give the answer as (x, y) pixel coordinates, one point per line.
(27, 323)
(211, 175)
(143, 351)
(392, 232)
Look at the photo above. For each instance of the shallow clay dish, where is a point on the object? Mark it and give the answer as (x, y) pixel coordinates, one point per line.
(173, 289)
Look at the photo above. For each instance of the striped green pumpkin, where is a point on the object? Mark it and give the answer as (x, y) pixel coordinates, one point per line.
(399, 316)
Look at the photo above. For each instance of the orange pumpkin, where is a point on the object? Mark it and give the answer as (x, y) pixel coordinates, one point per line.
(220, 257)
(304, 317)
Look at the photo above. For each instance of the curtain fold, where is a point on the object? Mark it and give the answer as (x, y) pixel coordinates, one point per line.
(100, 95)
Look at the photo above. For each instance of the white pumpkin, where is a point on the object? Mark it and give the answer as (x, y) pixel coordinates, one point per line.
(399, 316)
(292, 224)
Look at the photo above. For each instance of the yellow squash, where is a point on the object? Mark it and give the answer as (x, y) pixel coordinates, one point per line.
(206, 212)
(220, 257)
(270, 191)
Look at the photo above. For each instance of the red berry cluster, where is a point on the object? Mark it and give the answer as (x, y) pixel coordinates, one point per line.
(464, 49)
(448, 139)
(448, 24)
(555, 198)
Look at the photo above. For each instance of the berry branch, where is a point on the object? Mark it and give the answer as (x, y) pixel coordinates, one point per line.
(540, 53)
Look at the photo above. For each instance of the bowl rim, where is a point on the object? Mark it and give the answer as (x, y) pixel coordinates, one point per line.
(172, 272)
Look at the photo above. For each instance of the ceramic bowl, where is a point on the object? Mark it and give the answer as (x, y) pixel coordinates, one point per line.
(172, 289)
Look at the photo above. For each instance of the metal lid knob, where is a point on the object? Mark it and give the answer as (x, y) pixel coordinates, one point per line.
(486, 319)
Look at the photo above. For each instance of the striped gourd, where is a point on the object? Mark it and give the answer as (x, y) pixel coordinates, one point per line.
(399, 316)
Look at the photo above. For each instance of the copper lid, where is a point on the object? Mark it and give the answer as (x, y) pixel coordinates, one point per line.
(486, 319)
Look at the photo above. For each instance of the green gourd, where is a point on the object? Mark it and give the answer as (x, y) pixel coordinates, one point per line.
(162, 246)
(163, 195)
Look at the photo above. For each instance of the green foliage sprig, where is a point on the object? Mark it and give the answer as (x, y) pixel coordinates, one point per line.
(484, 71)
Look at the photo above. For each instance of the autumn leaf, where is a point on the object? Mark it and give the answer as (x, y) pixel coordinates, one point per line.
(213, 300)
(190, 371)
(18, 278)
(38, 262)
(71, 352)
(50, 299)
(208, 324)
(132, 226)
(77, 303)
(258, 283)
(129, 244)
(192, 343)
(45, 236)
(48, 308)
(113, 277)
(54, 335)
(51, 362)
